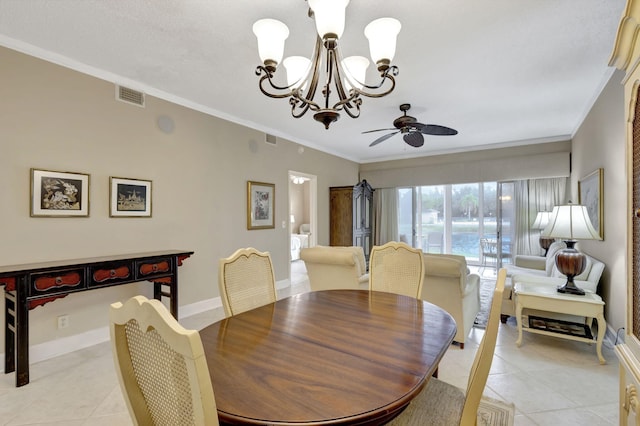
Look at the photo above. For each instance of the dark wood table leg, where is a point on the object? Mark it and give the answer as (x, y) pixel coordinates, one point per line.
(173, 289)
(9, 331)
(22, 333)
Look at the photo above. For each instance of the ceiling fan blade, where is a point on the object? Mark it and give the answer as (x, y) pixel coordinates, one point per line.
(415, 139)
(377, 130)
(383, 138)
(434, 129)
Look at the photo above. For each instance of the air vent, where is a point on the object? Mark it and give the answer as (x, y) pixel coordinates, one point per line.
(130, 96)
(270, 139)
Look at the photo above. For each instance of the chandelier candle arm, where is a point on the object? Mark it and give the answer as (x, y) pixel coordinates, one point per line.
(344, 80)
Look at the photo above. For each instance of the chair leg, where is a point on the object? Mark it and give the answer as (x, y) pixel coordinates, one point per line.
(503, 318)
(461, 346)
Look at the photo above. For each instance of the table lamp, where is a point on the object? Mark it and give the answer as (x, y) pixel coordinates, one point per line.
(541, 222)
(570, 223)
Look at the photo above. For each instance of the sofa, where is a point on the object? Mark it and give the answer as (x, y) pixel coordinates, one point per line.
(449, 285)
(541, 269)
(331, 268)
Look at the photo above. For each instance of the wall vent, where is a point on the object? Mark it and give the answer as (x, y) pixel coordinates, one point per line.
(130, 96)
(270, 139)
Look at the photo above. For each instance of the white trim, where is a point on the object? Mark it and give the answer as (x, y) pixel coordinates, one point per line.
(65, 345)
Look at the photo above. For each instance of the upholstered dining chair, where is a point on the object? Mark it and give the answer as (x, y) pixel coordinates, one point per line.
(161, 366)
(442, 404)
(246, 281)
(396, 267)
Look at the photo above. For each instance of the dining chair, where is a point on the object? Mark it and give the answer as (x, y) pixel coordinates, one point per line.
(442, 404)
(161, 366)
(396, 267)
(246, 281)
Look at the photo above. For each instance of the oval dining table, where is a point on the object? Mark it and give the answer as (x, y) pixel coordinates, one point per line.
(334, 357)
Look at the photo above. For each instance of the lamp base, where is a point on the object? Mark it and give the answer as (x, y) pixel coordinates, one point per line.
(571, 288)
(571, 263)
(545, 243)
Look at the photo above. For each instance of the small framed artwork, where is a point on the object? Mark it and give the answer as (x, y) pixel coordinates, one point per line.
(260, 205)
(590, 195)
(59, 194)
(129, 197)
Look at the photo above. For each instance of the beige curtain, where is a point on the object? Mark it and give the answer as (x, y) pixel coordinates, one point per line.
(385, 202)
(533, 196)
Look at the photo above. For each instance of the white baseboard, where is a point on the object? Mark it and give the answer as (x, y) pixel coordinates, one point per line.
(65, 345)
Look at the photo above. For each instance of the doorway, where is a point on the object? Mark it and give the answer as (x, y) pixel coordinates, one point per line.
(303, 189)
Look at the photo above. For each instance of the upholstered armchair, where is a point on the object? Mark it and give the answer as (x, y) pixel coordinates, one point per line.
(331, 268)
(449, 285)
(541, 269)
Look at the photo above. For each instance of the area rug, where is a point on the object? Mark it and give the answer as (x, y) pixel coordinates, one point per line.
(487, 286)
(492, 412)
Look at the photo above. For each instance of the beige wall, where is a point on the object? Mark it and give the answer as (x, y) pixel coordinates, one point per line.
(513, 163)
(57, 119)
(600, 142)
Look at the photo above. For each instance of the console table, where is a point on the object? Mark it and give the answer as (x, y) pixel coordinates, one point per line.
(30, 285)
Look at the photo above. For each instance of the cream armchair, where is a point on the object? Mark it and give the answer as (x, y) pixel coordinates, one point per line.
(449, 285)
(544, 270)
(331, 268)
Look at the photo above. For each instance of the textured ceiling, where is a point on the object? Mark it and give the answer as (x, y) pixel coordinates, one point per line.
(501, 72)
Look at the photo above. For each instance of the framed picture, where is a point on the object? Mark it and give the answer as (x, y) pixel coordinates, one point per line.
(129, 197)
(260, 205)
(59, 194)
(590, 195)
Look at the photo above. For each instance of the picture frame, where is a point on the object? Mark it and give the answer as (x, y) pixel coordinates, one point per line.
(590, 195)
(260, 205)
(129, 197)
(59, 194)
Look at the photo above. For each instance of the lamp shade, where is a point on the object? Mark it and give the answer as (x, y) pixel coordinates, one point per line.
(356, 68)
(382, 34)
(329, 16)
(297, 69)
(541, 221)
(271, 35)
(570, 222)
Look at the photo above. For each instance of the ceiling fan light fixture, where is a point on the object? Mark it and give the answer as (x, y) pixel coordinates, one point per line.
(329, 16)
(271, 35)
(340, 84)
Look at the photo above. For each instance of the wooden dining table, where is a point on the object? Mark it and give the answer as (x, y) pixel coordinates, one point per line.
(334, 357)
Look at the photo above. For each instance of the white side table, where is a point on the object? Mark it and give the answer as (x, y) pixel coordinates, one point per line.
(546, 298)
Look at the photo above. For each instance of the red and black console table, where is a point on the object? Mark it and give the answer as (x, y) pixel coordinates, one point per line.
(31, 285)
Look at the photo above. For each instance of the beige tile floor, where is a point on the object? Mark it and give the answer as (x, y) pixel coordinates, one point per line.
(551, 381)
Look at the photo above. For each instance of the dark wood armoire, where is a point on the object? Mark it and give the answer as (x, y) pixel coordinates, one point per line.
(351, 216)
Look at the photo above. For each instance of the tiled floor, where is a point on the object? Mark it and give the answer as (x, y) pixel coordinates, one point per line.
(551, 381)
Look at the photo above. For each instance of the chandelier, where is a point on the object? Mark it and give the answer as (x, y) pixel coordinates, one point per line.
(343, 79)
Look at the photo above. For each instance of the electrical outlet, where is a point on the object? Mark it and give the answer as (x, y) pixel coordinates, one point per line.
(63, 321)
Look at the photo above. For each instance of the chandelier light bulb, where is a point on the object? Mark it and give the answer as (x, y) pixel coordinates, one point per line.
(382, 34)
(356, 70)
(271, 35)
(297, 69)
(329, 16)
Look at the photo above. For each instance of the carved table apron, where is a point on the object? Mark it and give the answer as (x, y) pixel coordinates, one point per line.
(31, 285)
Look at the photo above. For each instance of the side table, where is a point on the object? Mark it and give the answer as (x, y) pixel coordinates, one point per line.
(546, 298)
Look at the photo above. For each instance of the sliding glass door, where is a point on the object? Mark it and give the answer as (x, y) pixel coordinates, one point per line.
(454, 218)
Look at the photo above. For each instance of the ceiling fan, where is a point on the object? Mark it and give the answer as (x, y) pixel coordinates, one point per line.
(412, 130)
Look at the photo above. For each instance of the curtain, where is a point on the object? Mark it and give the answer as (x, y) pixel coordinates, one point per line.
(385, 201)
(533, 196)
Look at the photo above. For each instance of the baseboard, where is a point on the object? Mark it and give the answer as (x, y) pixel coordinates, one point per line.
(65, 345)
